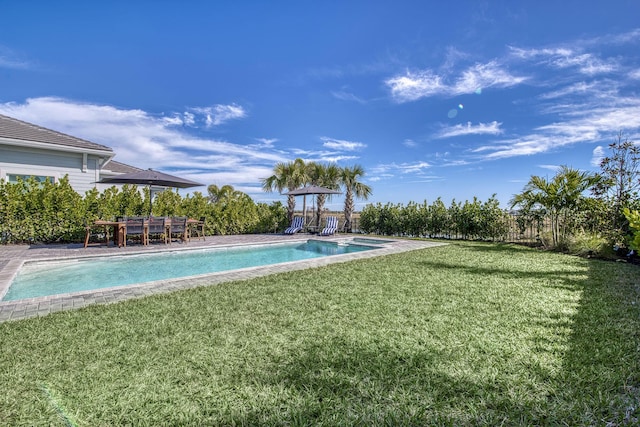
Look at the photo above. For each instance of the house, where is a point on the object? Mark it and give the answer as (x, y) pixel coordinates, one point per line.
(30, 150)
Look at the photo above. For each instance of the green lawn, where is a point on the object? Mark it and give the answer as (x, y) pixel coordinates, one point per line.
(464, 334)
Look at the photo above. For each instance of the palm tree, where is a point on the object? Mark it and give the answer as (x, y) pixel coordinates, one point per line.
(287, 176)
(560, 197)
(222, 194)
(324, 176)
(349, 178)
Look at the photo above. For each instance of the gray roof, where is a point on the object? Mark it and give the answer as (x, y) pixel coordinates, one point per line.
(118, 167)
(17, 129)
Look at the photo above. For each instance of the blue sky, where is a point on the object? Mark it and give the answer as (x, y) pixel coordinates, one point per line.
(433, 99)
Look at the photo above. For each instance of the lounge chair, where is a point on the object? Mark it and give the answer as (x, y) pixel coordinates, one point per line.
(179, 228)
(330, 227)
(296, 225)
(158, 227)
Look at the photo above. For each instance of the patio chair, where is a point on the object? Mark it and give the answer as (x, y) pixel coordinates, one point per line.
(330, 227)
(158, 228)
(296, 225)
(135, 226)
(179, 228)
(198, 228)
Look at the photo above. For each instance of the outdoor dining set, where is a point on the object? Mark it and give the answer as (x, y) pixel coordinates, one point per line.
(146, 229)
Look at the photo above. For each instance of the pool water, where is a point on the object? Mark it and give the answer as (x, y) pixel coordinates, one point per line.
(55, 277)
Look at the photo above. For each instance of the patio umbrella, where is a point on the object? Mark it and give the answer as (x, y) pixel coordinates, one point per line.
(150, 177)
(312, 190)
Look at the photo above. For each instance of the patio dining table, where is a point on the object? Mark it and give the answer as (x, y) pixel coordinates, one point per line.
(118, 228)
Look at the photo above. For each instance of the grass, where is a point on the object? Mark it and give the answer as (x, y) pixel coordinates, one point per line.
(465, 334)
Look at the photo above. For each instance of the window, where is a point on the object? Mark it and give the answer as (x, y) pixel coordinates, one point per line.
(40, 178)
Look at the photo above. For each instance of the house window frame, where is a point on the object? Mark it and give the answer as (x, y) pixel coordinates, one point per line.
(13, 178)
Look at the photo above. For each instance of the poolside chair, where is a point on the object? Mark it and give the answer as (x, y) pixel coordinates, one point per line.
(330, 227)
(136, 226)
(198, 228)
(296, 225)
(158, 227)
(179, 228)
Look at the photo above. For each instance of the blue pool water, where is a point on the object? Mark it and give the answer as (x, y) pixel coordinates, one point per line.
(83, 274)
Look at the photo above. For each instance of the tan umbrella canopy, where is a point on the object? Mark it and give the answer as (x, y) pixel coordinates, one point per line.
(150, 177)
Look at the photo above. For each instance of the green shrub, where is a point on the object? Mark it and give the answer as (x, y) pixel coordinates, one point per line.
(590, 245)
(31, 211)
(634, 225)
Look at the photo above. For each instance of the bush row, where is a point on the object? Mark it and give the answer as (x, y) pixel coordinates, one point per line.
(53, 212)
(468, 220)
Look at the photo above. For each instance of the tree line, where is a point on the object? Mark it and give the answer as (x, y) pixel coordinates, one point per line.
(468, 220)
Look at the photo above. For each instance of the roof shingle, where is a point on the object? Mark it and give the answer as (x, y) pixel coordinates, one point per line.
(17, 129)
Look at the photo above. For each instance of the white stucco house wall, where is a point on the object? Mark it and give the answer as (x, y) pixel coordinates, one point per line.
(30, 150)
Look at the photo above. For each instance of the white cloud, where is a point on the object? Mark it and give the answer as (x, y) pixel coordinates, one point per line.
(9, 59)
(390, 169)
(266, 142)
(492, 128)
(413, 167)
(409, 143)
(580, 88)
(598, 114)
(561, 57)
(598, 155)
(482, 76)
(553, 168)
(347, 96)
(414, 85)
(342, 145)
(219, 114)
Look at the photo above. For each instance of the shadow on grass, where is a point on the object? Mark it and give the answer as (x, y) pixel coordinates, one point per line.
(602, 364)
(600, 380)
(372, 385)
(597, 383)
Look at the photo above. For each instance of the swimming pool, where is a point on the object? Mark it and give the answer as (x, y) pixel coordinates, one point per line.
(45, 278)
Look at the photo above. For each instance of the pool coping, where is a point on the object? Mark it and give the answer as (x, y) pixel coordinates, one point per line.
(14, 256)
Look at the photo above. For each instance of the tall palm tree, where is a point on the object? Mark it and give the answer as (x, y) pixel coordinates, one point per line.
(324, 176)
(349, 179)
(287, 176)
(560, 197)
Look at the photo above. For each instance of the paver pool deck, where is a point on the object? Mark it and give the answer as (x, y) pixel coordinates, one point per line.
(13, 256)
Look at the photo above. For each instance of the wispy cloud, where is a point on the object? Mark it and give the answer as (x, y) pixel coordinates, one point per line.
(564, 57)
(389, 170)
(580, 126)
(552, 168)
(492, 128)
(414, 85)
(409, 143)
(347, 96)
(11, 60)
(342, 145)
(219, 113)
